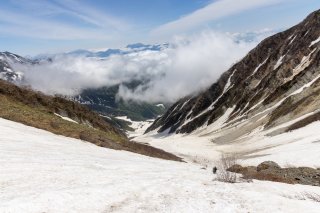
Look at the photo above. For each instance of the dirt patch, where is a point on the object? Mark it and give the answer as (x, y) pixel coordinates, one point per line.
(270, 171)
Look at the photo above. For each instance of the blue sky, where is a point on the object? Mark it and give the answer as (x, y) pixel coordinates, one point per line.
(30, 27)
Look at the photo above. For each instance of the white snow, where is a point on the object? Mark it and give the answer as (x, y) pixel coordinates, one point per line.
(66, 118)
(279, 62)
(290, 37)
(161, 105)
(16, 58)
(227, 86)
(305, 62)
(43, 172)
(306, 33)
(256, 105)
(139, 127)
(225, 89)
(106, 117)
(305, 86)
(297, 148)
(7, 69)
(218, 124)
(258, 67)
(185, 103)
(125, 118)
(300, 147)
(315, 41)
(293, 39)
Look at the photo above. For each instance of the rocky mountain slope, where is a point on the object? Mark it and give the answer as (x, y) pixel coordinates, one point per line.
(6, 71)
(275, 86)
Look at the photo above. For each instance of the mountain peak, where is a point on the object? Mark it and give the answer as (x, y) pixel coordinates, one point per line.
(137, 45)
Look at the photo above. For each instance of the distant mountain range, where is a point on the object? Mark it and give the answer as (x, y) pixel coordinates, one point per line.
(131, 48)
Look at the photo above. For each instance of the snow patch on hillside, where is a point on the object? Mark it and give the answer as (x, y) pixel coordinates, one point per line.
(161, 105)
(66, 118)
(315, 41)
(139, 127)
(258, 67)
(279, 62)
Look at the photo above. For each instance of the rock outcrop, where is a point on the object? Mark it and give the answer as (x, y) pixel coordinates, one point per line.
(271, 171)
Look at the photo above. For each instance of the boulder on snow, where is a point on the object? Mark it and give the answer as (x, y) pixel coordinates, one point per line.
(267, 165)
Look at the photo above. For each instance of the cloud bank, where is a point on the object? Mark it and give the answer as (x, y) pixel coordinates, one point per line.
(189, 65)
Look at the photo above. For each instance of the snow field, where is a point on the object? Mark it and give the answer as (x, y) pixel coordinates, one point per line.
(43, 172)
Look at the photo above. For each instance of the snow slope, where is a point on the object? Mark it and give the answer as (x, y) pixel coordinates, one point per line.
(43, 172)
(300, 147)
(139, 127)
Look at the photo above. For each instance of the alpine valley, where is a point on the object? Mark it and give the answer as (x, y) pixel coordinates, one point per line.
(248, 142)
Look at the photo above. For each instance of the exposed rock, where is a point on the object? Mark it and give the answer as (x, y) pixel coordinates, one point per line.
(267, 165)
(271, 171)
(236, 168)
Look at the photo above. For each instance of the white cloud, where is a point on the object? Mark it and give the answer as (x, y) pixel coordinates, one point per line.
(194, 63)
(93, 15)
(42, 19)
(217, 9)
(20, 25)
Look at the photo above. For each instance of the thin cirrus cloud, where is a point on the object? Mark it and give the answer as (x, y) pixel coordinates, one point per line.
(40, 20)
(93, 16)
(25, 26)
(211, 12)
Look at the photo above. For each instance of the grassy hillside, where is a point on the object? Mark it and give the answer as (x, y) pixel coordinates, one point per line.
(38, 110)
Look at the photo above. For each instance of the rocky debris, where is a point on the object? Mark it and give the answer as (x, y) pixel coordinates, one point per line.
(267, 165)
(271, 171)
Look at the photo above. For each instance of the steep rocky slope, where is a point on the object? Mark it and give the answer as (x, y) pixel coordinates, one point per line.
(6, 71)
(277, 84)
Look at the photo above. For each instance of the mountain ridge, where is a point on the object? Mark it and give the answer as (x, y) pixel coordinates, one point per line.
(270, 79)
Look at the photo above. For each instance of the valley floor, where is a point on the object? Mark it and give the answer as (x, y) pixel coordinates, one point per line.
(43, 172)
(300, 147)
